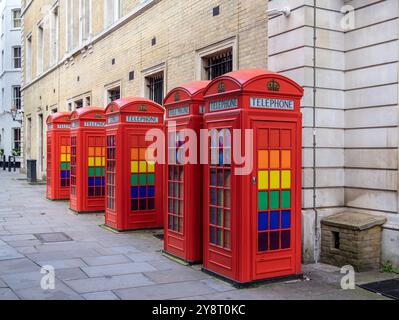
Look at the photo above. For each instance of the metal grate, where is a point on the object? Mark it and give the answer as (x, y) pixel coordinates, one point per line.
(53, 237)
(219, 65)
(155, 87)
(159, 236)
(387, 288)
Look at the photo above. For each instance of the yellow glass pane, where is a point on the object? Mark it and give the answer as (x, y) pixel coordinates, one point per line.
(143, 166)
(103, 161)
(151, 167)
(286, 159)
(91, 162)
(134, 154)
(263, 177)
(274, 179)
(134, 165)
(274, 159)
(91, 152)
(286, 179)
(63, 158)
(98, 161)
(63, 149)
(263, 160)
(142, 154)
(68, 158)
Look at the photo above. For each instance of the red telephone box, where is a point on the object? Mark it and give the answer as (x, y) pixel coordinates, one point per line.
(58, 156)
(183, 182)
(134, 185)
(88, 160)
(252, 220)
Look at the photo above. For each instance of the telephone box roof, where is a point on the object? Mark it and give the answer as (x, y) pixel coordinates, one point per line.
(59, 117)
(87, 112)
(124, 104)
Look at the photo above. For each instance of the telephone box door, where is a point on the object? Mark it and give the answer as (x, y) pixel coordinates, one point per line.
(275, 219)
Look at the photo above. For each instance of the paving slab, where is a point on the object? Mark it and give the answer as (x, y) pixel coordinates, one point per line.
(104, 295)
(61, 292)
(70, 274)
(170, 276)
(17, 266)
(118, 269)
(63, 264)
(165, 291)
(106, 260)
(7, 294)
(109, 283)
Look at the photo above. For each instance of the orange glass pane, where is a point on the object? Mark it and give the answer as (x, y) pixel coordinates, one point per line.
(263, 160)
(286, 159)
(135, 154)
(98, 152)
(91, 152)
(274, 159)
(142, 153)
(103, 152)
(63, 149)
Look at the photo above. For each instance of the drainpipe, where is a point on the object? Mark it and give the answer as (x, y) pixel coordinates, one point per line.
(316, 225)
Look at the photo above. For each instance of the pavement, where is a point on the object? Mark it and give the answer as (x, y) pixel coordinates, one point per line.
(102, 265)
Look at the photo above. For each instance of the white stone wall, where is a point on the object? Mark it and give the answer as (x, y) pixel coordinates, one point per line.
(355, 109)
(9, 76)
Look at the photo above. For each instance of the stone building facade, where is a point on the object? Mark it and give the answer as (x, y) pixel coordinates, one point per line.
(10, 77)
(82, 52)
(345, 55)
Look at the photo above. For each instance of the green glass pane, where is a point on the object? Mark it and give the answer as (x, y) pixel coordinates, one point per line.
(98, 172)
(274, 200)
(134, 180)
(92, 172)
(68, 164)
(143, 179)
(286, 199)
(63, 166)
(263, 200)
(151, 179)
(103, 172)
(220, 217)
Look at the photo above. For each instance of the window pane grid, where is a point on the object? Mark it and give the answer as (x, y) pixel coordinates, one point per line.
(49, 163)
(73, 166)
(219, 64)
(155, 87)
(220, 191)
(96, 167)
(65, 165)
(111, 171)
(274, 191)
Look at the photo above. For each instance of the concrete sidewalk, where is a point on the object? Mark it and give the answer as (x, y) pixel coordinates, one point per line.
(99, 264)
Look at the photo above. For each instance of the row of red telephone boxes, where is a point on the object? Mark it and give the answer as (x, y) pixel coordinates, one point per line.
(244, 224)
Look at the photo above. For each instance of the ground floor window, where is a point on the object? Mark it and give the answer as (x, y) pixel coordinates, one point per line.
(16, 143)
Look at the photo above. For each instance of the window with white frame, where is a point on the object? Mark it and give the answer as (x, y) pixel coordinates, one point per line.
(16, 57)
(112, 11)
(40, 49)
(28, 64)
(218, 64)
(16, 97)
(69, 25)
(85, 20)
(113, 94)
(16, 18)
(16, 137)
(155, 87)
(54, 35)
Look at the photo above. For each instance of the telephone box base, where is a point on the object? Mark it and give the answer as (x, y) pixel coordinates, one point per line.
(57, 200)
(87, 212)
(115, 230)
(180, 260)
(243, 285)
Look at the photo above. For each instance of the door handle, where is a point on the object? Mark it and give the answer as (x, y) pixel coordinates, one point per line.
(254, 180)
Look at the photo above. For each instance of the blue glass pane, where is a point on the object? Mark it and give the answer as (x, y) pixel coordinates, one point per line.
(63, 174)
(135, 192)
(151, 191)
(91, 182)
(263, 221)
(143, 192)
(221, 157)
(274, 220)
(98, 181)
(286, 219)
(68, 173)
